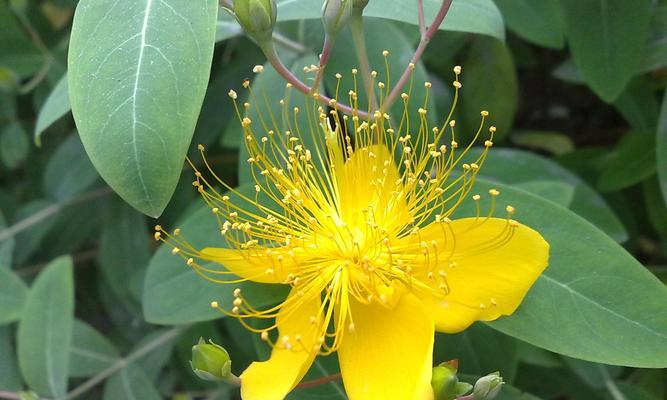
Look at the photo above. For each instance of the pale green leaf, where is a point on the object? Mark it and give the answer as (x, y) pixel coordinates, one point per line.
(138, 72)
(10, 377)
(661, 148)
(69, 171)
(631, 162)
(45, 330)
(559, 192)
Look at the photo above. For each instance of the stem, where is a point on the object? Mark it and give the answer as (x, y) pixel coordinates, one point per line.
(9, 395)
(124, 362)
(357, 27)
(468, 397)
(420, 11)
(272, 56)
(45, 213)
(423, 42)
(324, 60)
(288, 43)
(318, 381)
(613, 390)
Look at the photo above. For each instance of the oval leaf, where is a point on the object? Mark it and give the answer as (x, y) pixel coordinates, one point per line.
(12, 295)
(607, 39)
(661, 148)
(130, 383)
(138, 72)
(91, 352)
(56, 106)
(45, 331)
(594, 301)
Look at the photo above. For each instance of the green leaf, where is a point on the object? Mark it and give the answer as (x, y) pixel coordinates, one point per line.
(480, 350)
(595, 301)
(541, 22)
(175, 294)
(130, 383)
(91, 352)
(333, 390)
(17, 52)
(552, 142)
(45, 330)
(12, 295)
(631, 162)
(559, 192)
(515, 166)
(638, 105)
(124, 249)
(55, 107)
(474, 16)
(14, 145)
(153, 362)
(69, 171)
(661, 148)
(6, 245)
(656, 49)
(655, 206)
(594, 375)
(138, 72)
(10, 378)
(489, 83)
(607, 40)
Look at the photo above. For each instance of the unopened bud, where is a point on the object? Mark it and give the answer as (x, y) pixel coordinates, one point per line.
(211, 362)
(488, 387)
(335, 15)
(445, 383)
(256, 17)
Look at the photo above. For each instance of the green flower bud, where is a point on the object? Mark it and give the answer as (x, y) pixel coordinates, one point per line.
(211, 362)
(335, 15)
(444, 381)
(257, 17)
(488, 387)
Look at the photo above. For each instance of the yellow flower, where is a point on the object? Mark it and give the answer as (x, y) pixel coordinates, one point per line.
(355, 215)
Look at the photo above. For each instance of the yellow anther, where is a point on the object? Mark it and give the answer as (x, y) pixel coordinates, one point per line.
(484, 113)
(258, 69)
(175, 250)
(427, 85)
(494, 192)
(457, 84)
(190, 261)
(232, 94)
(264, 335)
(476, 197)
(385, 53)
(157, 235)
(510, 209)
(215, 304)
(457, 70)
(488, 143)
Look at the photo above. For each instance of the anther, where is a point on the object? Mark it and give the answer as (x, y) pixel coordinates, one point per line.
(264, 335)
(484, 113)
(175, 250)
(427, 85)
(510, 209)
(157, 235)
(457, 84)
(232, 94)
(494, 192)
(190, 261)
(258, 69)
(457, 70)
(385, 53)
(476, 197)
(214, 304)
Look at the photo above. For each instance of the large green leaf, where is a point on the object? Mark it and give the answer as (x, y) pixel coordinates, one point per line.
(45, 331)
(661, 148)
(12, 295)
(138, 72)
(607, 40)
(595, 301)
(91, 352)
(175, 294)
(515, 166)
(541, 22)
(476, 16)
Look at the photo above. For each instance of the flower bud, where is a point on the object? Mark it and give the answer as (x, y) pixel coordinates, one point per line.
(211, 362)
(256, 17)
(335, 15)
(445, 382)
(488, 387)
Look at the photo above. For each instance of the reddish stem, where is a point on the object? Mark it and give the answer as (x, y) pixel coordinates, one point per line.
(423, 42)
(318, 381)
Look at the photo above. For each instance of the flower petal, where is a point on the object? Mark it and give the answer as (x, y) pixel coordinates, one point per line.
(264, 265)
(381, 189)
(275, 378)
(389, 354)
(489, 268)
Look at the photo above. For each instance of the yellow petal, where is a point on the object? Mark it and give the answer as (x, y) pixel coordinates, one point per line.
(264, 265)
(275, 378)
(389, 354)
(370, 178)
(487, 271)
